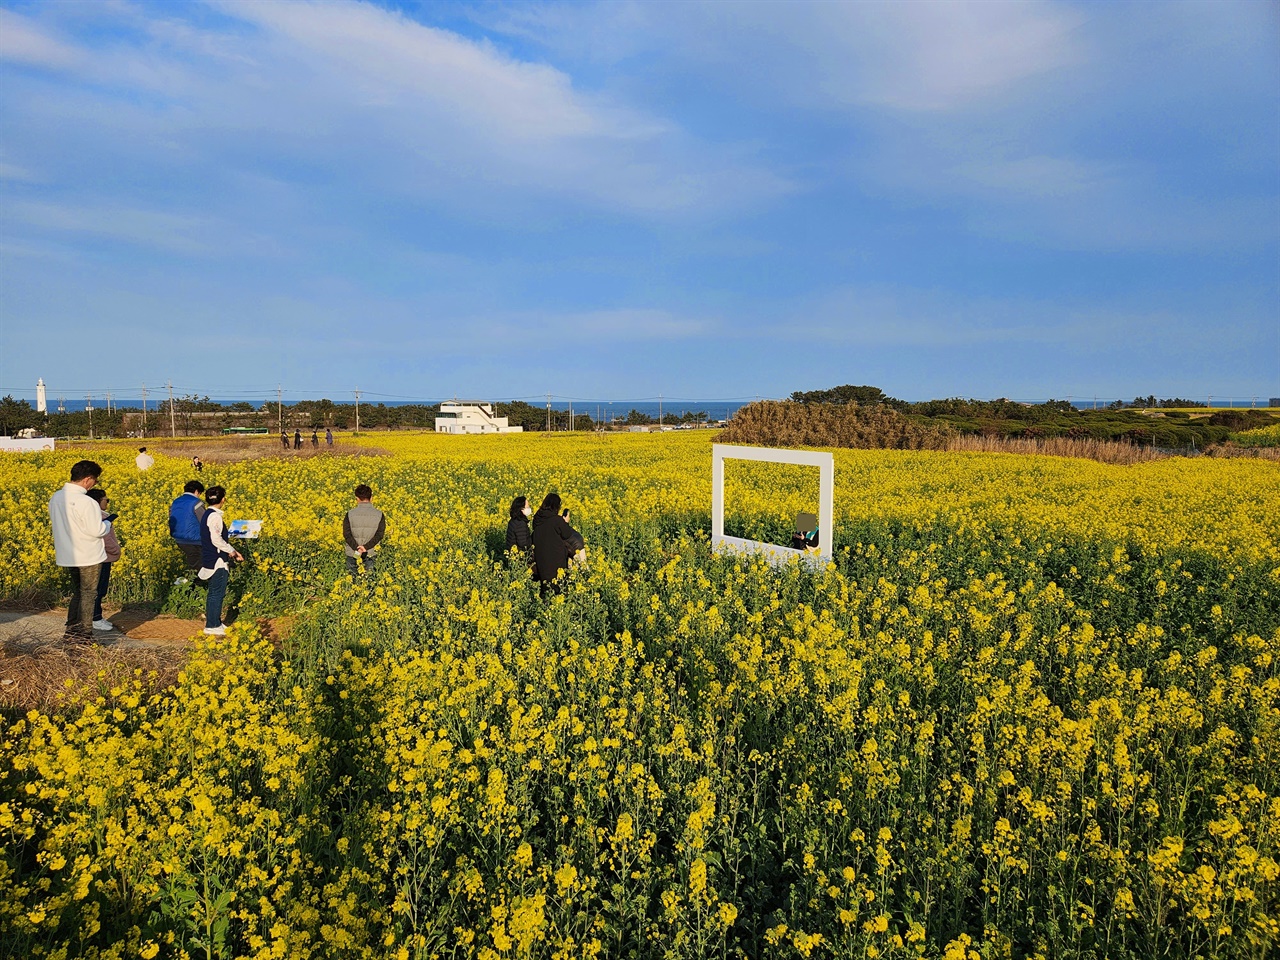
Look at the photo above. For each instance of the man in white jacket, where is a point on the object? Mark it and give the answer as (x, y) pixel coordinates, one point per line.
(78, 532)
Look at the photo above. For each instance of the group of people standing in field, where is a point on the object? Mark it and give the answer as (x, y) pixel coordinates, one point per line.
(315, 439)
(86, 544)
(550, 543)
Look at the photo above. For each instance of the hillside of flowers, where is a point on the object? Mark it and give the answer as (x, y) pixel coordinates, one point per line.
(1031, 709)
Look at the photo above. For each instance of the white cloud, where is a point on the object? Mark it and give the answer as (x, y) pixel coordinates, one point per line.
(355, 90)
(926, 56)
(23, 41)
(152, 228)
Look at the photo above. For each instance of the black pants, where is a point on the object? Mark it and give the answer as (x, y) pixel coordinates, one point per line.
(191, 555)
(84, 590)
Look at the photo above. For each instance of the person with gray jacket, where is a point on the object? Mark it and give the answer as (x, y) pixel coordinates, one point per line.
(363, 528)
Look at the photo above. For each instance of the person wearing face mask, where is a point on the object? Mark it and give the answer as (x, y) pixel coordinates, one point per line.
(518, 534)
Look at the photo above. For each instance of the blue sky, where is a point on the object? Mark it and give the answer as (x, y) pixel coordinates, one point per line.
(617, 200)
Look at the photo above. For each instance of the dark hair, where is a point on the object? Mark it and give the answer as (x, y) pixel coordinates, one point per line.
(517, 507)
(142, 449)
(193, 486)
(215, 495)
(364, 492)
(84, 468)
(97, 493)
(551, 502)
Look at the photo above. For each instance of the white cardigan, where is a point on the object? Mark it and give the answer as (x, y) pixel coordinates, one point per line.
(78, 528)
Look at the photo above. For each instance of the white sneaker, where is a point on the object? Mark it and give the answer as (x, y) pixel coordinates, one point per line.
(180, 581)
(103, 625)
(216, 631)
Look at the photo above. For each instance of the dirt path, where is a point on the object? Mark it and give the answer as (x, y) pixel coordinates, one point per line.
(38, 668)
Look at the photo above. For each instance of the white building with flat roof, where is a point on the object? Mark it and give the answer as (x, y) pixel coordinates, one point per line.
(471, 416)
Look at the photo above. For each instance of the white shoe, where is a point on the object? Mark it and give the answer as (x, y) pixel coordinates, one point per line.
(103, 625)
(180, 581)
(216, 631)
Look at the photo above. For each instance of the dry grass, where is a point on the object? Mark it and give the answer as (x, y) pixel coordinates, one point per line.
(237, 449)
(783, 423)
(47, 675)
(1234, 450)
(1104, 451)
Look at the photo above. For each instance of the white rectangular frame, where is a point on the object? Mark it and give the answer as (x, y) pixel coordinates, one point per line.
(774, 553)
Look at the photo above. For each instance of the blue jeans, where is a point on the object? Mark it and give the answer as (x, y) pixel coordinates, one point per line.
(104, 582)
(217, 593)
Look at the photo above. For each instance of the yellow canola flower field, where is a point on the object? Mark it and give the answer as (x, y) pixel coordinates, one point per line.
(1031, 709)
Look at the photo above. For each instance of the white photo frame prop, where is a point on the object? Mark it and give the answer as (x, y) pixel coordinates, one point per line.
(774, 553)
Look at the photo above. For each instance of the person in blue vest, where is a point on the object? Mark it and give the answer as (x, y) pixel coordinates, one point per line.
(216, 555)
(184, 522)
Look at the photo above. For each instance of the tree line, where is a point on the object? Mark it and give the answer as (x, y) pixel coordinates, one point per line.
(196, 415)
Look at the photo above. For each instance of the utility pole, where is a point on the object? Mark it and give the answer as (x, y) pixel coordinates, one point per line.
(88, 405)
(357, 393)
(548, 413)
(173, 424)
(108, 402)
(280, 406)
(571, 415)
(659, 411)
(144, 409)
(1253, 403)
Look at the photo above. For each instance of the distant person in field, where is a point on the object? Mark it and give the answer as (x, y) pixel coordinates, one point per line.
(144, 460)
(554, 541)
(315, 439)
(112, 546)
(328, 436)
(363, 528)
(297, 439)
(284, 440)
(197, 464)
(185, 514)
(79, 530)
(806, 533)
(216, 555)
(518, 533)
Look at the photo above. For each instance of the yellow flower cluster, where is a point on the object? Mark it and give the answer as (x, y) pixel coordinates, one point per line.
(1032, 708)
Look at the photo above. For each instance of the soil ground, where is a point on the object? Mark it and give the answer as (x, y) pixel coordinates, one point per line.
(38, 669)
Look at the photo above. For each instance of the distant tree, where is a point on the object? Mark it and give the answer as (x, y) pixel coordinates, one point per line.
(16, 415)
(522, 414)
(864, 395)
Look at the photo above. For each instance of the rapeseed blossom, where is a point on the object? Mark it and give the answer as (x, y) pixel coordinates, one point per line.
(1029, 709)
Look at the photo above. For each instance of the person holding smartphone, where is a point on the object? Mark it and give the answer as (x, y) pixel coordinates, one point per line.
(554, 542)
(112, 545)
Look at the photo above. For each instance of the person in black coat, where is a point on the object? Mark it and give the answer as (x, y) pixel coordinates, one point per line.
(518, 534)
(554, 541)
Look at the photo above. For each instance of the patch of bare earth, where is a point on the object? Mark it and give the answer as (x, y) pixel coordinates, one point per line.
(39, 670)
(239, 449)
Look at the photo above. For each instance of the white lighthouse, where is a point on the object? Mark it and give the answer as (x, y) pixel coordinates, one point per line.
(41, 405)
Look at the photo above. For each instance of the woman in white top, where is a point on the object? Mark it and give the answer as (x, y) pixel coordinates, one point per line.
(216, 555)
